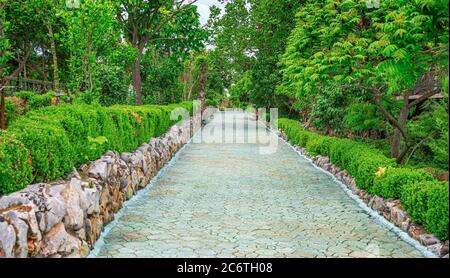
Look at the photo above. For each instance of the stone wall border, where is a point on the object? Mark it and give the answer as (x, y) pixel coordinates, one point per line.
(390, 209)
(65, 218)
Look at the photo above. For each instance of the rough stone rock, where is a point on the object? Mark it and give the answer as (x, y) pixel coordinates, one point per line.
(74, 174)
(404, 226)
(7, 239)
(46, 200)
(341, 175)
(92, 197)
(440, 248)
(85, 249)
(364, 195)
(427, 239)
(77, 204)
(123, 182)
(398, 215)
(57, 242)
(12, 200)
(21, 230)
(64, 218)
(415, 231)
(98, 169)
(29, 236)
(94, 226)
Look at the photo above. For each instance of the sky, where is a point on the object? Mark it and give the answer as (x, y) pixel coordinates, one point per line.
(203, 9)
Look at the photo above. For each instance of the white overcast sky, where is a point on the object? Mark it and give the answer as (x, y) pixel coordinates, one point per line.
(203, 9)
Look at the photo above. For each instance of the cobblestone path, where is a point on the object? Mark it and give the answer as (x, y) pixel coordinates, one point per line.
(229, 200)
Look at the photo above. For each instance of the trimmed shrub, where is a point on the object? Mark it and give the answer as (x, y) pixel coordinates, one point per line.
(14, 108)
(390, 183)
(25, 95)
(427, 203)
(424, 198)
(39, 101)
(362, 161)
(59, 138)
(15, 164)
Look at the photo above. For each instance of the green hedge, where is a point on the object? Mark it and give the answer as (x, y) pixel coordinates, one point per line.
(425, 199)
(390, 184)
(427, 204)
(61, 137)
(15, 164)
(362, 161)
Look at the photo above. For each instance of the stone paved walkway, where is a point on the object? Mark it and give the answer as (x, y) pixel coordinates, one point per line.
(229, 200)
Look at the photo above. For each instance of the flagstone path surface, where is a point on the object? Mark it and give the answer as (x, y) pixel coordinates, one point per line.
(232, 200)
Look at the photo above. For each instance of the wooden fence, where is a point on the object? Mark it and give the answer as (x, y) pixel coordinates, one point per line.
(17, 84)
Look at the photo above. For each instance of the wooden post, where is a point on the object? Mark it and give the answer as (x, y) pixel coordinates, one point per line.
(3, 103)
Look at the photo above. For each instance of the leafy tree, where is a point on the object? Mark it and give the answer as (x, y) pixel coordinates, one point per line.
(161, 78)
(4, 42)
(147, 22)
(90, 36)
(230, 34)
(271, 24)
(354, 45)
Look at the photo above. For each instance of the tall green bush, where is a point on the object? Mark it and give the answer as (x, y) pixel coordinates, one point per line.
(59, 138)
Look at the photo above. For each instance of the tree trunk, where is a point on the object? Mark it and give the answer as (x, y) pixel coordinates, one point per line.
(54, 57)
(399, 125)
(398, 152)
(137, 82)
(203, 86)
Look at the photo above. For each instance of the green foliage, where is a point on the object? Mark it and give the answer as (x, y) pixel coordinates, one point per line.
(25, 101)
(383, 52)
(427, 203)
(160, 75)
(362, 117)
(97, 142)
(390, 183)
(25, 95)
(113, 86)
(361, 160)
(13, 110)
(241, 91)
(15, 164)
(88, 97)
(430, 135)
(5, 53)
(59, 138)
(271, 24)
(212, 102)
(40, 101)
(425, 199)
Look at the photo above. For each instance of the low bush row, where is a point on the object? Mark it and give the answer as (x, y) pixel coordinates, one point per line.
(57, 138)
(425, 198)
(24, 101)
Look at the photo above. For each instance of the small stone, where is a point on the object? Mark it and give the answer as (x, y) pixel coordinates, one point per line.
(427, 239)
(415, 231)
